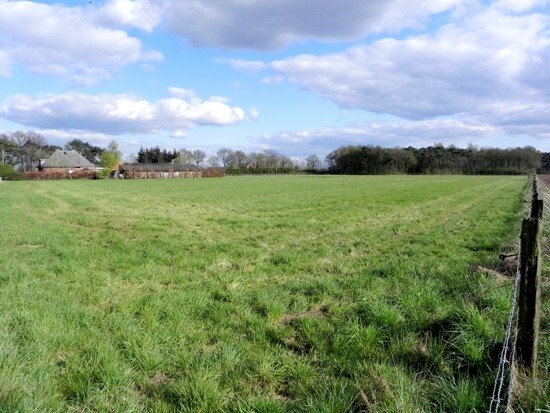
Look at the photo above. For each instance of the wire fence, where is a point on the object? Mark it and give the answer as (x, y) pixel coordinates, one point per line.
(504, 378)
(502, 396)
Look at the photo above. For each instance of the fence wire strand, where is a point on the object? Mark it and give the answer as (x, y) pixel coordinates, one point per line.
(508, 352)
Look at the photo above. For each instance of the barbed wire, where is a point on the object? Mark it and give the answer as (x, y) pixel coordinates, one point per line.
(507, 354)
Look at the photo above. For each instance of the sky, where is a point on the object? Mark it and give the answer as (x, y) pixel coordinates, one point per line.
(297, 76)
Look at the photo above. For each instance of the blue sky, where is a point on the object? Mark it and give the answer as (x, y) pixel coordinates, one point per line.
(297, 76)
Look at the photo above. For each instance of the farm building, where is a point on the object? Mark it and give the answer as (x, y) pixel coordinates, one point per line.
(62, 160)
(166, 170)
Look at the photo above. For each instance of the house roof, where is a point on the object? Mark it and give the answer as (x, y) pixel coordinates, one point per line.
(67, 159)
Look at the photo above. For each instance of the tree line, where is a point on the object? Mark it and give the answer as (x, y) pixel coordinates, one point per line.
(362, 159)
(436, 159)
(234, 162)
(21, 151)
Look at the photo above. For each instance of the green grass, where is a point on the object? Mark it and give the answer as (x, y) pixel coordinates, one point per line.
(253, 294)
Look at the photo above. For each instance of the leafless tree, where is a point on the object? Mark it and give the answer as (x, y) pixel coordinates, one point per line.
(198, 157)
(213, 161)
(240, 160)
(312, 162)
(285, 162)
(226, 157)
(271, 160)
(23, 150)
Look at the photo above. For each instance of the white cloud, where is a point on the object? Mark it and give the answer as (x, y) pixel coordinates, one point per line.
(61, 41)
(141, 14)
(517, 118)
(178, 134)
(386, 133)
(273, 80)
(518, 6)
(264, 25)
(466, 67)
(179, 92)
(248, 66)
(402, 14)
(117, 114)
(254, 112)
(60, 137)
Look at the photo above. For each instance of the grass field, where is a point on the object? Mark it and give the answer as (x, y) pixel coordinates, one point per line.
(253, 294)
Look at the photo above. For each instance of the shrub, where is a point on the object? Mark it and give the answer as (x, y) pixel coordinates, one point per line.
(60, 174)
(7, 172)
(104, 173)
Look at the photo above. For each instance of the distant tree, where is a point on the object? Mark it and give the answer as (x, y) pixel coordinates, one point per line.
(285, 163)
(226, 156)
(141, 156)
(111, 156)
(87, 150)
(257, 161)
(132, 158)
(156, 155)
(271, 160)
(213, 161)
(23, 150)
(312, 162)
(436, 159)
(184, 157)
(19, 138)
(239, 158)
(198, 157)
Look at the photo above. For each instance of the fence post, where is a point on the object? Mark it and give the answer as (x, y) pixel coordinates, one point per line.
(529, 289)
(536, 203)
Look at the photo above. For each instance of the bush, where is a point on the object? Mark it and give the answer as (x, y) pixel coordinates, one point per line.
(103, 173)
(61, 174)
(213, 173)
(7, 172)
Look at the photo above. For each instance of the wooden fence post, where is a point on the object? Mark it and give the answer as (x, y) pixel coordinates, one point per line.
(536, 203)
(529, 292)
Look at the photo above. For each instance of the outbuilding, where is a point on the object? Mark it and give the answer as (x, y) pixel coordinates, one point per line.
(66, 161)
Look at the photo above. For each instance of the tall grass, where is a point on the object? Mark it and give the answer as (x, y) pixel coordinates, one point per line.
(253, 294)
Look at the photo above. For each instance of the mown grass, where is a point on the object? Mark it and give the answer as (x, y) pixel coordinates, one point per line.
(253, 294)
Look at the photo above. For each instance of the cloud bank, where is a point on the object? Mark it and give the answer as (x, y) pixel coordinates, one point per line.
(461, 68)
(122, 113)
(271, 25)
(68, 42)
(452, 68)
(382, 133)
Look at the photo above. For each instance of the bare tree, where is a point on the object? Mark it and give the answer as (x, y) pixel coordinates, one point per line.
(239, 158)
(23, 150)
(257, 160)
(285, 162)
(271, 160)
(198, 157)
(312, 162)
(213, 161)
(226, 157)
